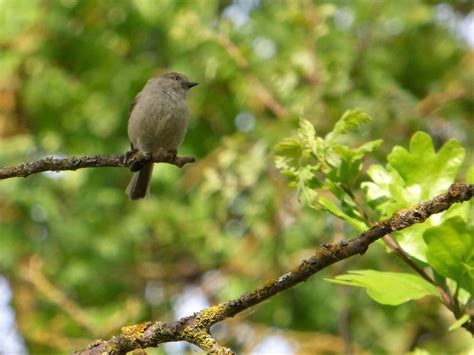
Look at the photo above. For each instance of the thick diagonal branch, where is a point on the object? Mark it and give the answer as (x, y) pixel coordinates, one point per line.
(195, 328)
(133, 160)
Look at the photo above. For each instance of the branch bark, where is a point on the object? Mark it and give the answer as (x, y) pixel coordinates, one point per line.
(133, 160)
(196, 328)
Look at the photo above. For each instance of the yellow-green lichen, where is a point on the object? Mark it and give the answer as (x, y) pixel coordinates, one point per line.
(135, 331)
(205, 318)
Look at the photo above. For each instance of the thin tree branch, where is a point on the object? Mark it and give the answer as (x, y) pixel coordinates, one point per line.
(133, 159)
(399, 251)
(195, 328)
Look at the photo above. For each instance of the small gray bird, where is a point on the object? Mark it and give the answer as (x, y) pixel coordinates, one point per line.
(158, 118)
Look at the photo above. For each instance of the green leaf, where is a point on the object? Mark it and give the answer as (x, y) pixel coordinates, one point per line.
(350, 161)
(351, 119)
(450, 251)
(470, 175)
(289, 148)
(432, 172)
(327, 204)
(307, 135)
(311, 162)
(411, 240)
(388, 288)
(459, 322)
(367, 148)
(415, 175)
(306, 184)
(411, 176)
(385, 193)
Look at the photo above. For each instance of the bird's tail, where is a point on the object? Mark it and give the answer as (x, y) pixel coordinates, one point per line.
(139, 186)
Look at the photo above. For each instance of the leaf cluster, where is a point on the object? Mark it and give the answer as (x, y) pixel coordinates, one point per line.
(326, 165)
(444, 244)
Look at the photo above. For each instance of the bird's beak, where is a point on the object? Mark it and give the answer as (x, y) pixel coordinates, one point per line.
(190, 84)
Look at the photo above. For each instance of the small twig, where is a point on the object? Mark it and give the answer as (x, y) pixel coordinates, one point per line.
(133, 160)
(399, 251)
(195, 328)
(456, 306)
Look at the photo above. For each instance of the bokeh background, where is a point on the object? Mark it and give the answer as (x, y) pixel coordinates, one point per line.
(79, 261)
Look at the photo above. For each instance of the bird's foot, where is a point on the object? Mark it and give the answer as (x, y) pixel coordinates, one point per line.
(173, 152)
(136, 165)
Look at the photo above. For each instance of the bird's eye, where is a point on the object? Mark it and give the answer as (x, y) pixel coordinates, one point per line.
(176, 77)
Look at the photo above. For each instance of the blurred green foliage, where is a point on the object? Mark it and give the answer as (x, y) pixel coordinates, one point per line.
(84, 261)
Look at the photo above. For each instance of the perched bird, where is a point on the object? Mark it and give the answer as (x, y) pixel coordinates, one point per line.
(158, 118)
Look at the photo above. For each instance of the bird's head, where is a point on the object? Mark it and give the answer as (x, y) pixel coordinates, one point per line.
(176, 81)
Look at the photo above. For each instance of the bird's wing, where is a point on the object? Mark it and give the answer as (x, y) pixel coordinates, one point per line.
(132, 106)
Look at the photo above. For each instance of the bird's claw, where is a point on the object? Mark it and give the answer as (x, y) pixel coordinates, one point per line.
(173, 152)
(135, 166)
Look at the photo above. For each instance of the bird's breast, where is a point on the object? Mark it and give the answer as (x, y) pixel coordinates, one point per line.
(158, 123)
